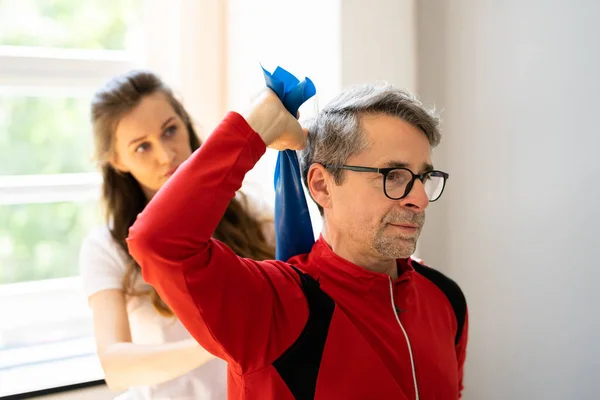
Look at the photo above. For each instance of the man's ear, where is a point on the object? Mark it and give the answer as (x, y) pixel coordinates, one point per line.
(318, 181)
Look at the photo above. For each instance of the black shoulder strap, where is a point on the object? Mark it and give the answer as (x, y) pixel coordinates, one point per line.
(452, 292)
(299, 365)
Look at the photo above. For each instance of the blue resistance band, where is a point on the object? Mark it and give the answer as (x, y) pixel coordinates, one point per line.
(293, 229)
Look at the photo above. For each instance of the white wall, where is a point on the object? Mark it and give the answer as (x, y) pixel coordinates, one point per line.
(518, 225)
(378, 42)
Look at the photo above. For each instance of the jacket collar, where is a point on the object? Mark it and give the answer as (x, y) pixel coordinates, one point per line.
(325, 265)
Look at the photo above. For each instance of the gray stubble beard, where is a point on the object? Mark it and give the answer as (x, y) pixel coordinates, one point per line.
(398, 246)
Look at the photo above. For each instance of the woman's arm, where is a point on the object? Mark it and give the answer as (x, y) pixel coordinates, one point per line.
(126, 364)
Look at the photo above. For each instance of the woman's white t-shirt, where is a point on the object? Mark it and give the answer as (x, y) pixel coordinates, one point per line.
(103, 266)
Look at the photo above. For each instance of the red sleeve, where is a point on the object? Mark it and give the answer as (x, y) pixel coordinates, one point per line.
(461, 353)
(243, 311)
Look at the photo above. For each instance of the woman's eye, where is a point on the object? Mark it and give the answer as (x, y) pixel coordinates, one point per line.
(170, 131)
(142, 148)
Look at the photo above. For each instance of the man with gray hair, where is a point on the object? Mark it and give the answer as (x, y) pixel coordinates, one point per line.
(357, 317)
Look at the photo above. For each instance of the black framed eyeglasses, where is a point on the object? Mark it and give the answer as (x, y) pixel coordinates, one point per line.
(398, 182)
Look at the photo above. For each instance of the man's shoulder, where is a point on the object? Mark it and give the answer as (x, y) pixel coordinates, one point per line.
(451, 290)
(441, 280)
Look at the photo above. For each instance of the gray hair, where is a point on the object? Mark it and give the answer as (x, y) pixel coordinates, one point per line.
(335, 134)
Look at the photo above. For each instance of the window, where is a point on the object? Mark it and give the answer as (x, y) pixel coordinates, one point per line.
(53, 56)
(69, 24)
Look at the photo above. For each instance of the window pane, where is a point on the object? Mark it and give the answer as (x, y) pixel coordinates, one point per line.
(74, 24)
(44, 135)
(41, 241)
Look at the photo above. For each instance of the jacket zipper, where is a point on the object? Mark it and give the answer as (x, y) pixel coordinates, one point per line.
(412, 361)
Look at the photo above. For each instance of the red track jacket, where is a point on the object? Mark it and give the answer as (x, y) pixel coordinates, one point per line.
(317, 326)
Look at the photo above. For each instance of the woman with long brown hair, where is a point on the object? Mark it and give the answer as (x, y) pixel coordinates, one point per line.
(142, 134)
